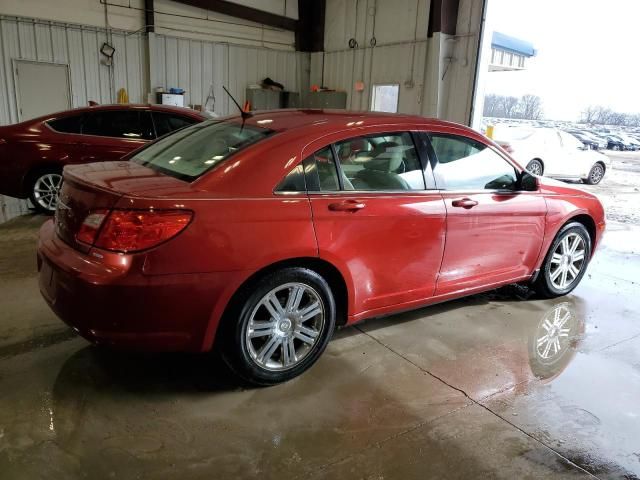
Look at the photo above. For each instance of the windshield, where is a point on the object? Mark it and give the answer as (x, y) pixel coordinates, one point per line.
(192, 151)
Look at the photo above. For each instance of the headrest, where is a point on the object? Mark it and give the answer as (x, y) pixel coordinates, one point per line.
(387, 157)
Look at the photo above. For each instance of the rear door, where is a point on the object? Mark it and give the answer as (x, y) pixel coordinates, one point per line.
(494, 231)
(376, 218)
(111, 134)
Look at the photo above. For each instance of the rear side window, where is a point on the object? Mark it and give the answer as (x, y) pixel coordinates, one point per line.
(168, 122)
(387, 162)
(464, 164)
(72, 124)
(132, 124)
(194, 150)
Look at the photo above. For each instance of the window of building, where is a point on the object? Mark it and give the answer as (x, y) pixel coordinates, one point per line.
(384, 98)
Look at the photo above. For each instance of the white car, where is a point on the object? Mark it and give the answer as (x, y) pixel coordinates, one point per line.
(552, 153)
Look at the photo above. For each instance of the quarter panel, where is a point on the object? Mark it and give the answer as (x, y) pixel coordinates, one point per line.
(231, 234)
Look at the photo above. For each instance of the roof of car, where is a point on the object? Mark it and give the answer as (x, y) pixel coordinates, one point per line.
(290, 119)
(120, 106)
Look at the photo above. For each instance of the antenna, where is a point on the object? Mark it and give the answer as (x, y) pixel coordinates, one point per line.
(243, 114)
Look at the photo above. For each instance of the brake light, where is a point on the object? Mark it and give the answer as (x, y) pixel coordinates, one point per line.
(132, 230)
(90, 226)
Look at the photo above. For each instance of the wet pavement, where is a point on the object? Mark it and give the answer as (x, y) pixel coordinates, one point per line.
(482, 387)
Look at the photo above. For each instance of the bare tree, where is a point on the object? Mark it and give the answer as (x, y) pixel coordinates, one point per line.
(530, 107)
(509, 106)
(491, 105)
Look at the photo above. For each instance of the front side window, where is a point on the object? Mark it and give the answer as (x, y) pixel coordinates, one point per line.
(464, 164)
(380, 162)
(132, 124)
(71, 124)
(190, 152)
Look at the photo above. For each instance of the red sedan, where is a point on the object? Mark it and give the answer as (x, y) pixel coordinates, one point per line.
(33, 153)
(263, 235)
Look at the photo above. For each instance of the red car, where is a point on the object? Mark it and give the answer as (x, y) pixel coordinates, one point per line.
(262, 235)
(32, 153)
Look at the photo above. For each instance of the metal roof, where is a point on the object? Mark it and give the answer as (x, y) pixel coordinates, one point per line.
(512, 44)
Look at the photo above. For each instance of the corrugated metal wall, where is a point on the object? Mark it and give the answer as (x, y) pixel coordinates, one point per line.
(195, 65)
(402, 64)
(79, 47)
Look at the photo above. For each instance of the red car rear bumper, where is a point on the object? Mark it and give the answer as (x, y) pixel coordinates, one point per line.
(122, 307)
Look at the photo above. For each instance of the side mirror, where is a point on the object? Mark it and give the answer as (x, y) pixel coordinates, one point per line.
(528, 182)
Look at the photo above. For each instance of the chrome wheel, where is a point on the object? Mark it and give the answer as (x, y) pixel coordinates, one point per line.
(535, 167)
(46, 189)
(284, 326)
(597, 172)
(552, 336)
(567, 261)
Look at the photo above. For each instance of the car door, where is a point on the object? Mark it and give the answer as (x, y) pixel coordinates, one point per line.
(577, 158)
(494, 231)
(111, 134)
(376, 219)
(63, 139)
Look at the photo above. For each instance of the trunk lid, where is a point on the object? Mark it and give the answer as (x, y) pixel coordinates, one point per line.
(96, 186)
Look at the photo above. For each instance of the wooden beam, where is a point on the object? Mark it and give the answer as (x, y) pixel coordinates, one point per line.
(246, 13)
(443, 16)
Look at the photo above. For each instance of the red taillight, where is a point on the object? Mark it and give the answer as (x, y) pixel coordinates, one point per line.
(133, 230)
(90, 226)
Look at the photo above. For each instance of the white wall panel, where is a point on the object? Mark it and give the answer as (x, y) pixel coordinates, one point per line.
(79, 47)
(195, 65)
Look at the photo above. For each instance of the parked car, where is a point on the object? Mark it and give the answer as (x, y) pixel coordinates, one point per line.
(615, 143)
(261, 235)
(630, 143)
(553, 153)
(585, 139)
(33, 153)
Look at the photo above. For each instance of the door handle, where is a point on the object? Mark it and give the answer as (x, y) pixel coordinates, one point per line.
(464, 203)
(346, 206)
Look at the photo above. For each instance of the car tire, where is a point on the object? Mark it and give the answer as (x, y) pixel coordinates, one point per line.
(552, 281)
(535, 166)
(44, 186)
(266, 343)
(596, 174)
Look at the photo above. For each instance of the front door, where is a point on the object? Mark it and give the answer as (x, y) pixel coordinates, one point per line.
(494, 231)
(376, 220)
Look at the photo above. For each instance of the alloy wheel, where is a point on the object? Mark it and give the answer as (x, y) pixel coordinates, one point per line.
(46, 189)
(597, 172)
(284, 326)
(552, 336)
(535, 168)
(567, 261)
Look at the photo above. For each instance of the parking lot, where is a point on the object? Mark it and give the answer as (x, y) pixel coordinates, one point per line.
(468, 389)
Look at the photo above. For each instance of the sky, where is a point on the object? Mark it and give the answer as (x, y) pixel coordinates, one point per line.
(588, 53)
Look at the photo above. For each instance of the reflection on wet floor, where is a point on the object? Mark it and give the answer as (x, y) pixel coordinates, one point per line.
(499, 385)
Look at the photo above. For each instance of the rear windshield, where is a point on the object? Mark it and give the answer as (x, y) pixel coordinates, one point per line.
(192, 151)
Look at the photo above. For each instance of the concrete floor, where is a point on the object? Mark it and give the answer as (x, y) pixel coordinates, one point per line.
(459, 390)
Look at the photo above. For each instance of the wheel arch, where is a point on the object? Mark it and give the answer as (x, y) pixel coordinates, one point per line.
(326, 269)
(588, 223)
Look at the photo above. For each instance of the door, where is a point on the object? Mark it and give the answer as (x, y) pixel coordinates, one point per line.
(111, 134)
(576, 157)
(41, 88)
(494, 231)
(375, 218)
